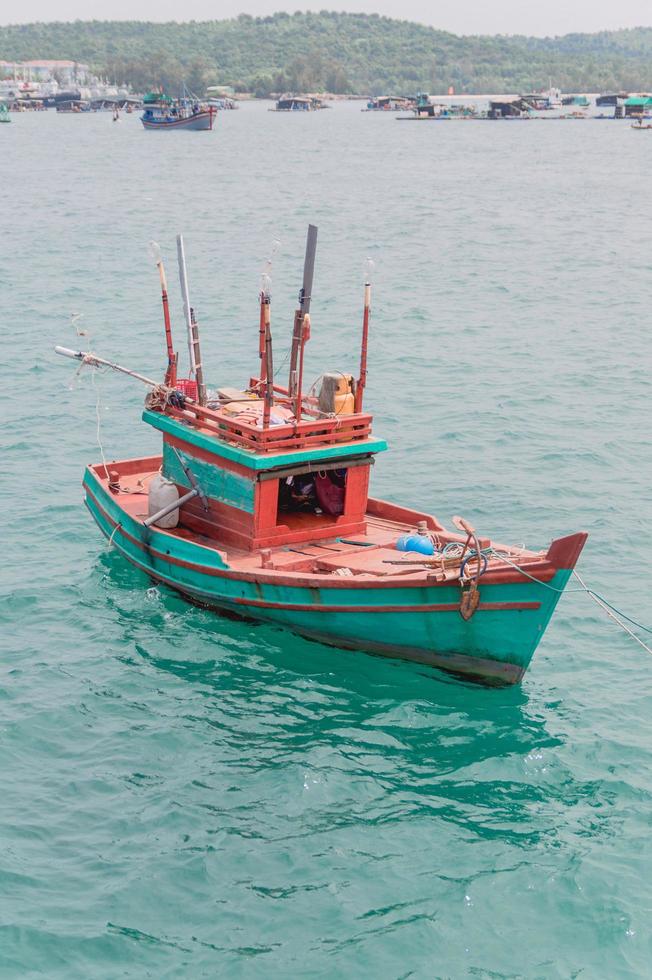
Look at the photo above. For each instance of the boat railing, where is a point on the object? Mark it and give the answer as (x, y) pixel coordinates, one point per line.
(302, 434)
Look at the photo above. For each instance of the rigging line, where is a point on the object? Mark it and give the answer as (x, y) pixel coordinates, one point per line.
(99, 422)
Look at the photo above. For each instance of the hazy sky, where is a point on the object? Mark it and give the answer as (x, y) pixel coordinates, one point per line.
(460, 16)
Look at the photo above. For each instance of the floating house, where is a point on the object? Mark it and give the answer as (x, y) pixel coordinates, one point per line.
(638, 105)
(299, 103)
(508, 109)
(388, 103)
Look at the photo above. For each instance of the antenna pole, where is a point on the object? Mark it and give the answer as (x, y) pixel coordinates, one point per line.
(362, 380)
(194, 350)
(185, 296)
(301, 331)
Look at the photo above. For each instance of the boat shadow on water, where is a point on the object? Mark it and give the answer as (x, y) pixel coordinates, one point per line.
(483, 759)
(194, 644)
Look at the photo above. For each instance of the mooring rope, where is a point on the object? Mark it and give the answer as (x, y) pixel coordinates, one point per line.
(612, 611)
(112, 535)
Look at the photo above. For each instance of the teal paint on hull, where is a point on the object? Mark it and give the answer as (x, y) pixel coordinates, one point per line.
(496, 644)
(255, 461)
(229, 488)
(158, 540)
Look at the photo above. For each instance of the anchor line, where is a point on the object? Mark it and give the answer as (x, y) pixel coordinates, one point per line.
(612, 611)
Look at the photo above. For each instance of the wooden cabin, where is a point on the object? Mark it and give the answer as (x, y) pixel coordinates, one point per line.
(244, 470)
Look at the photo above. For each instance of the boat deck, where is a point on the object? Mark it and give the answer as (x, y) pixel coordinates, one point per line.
(369, 557)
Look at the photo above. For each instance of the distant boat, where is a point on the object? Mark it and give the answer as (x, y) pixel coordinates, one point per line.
(299, 103)
(74, 106)
(164, 112)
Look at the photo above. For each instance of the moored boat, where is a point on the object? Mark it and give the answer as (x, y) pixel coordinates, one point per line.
(259, 505)
(162, 112)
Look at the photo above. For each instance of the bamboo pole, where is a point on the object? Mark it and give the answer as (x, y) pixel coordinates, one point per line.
(171, 373)
(362, 380)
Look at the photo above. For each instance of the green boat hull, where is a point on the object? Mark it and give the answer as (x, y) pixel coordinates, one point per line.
(422, 623)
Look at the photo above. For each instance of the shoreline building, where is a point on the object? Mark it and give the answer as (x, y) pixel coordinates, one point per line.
(46, 70)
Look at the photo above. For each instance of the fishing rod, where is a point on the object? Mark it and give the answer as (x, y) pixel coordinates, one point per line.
(362, 380)
(185, 296)
(265, 310)
(301, 331)
(171, 373)
(94, 361)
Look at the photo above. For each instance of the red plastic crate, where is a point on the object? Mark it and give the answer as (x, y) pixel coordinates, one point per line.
(187, 387)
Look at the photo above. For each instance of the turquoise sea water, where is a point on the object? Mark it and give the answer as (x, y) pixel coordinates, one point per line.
(188, 796)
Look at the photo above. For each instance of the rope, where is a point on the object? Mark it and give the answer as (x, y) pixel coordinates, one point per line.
(99, 421)
(117, 527)
(610, 609)
(612, 615)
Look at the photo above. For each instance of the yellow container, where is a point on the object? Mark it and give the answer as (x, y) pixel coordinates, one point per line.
(344, 400)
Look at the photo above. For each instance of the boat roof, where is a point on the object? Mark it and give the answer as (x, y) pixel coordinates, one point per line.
(256, 448)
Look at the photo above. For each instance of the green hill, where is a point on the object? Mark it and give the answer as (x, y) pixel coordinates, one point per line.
(338, 52)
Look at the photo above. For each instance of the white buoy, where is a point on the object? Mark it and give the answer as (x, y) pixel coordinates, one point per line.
(162, 494)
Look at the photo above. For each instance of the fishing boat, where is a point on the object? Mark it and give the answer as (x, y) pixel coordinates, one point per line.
(258, 505)
(163, 112)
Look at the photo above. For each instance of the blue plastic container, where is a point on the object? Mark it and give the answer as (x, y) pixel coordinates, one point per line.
(415, 542)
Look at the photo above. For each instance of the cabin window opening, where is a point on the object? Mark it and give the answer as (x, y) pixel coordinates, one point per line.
(297, 494)
(319, 492)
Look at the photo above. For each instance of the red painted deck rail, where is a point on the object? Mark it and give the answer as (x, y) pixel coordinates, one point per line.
(304, 434)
